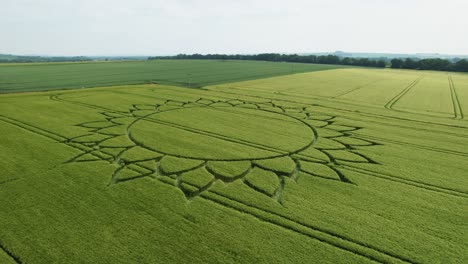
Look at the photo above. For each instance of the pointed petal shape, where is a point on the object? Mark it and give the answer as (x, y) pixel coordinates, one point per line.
(298, 115)
(85, 157)
(123, 120)
(328, 133)
(316, 123)
(325, 143)
(345, 155)
(91, 138)
(354, 141)
(228, 171)
(173, 165)
(273, 109)
(142, 113)
(126, 174)
(319, 169)
(149, 165)
(193, 105)
(204, 101)
(144, 107)
(95, 124)
(114, 152)
(118, 141)
(249, 106)
(342, 128)
(175, 103)
(199, 178)
(220, 104)
(262, 181)
(313, 153)
(163, 108)
(313, 115)
(195, 182)
(282, 165)
(113, 114)
(235, 102)
(113, 130)
(138, 153)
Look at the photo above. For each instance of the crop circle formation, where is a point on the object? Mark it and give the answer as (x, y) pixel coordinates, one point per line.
(194, 144)
(210, 133)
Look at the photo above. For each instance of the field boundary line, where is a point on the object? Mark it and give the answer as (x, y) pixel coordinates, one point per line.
(395, 99)
(457, 109)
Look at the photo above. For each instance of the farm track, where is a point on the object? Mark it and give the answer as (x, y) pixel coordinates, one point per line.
(380, 116)
(322, 235)
(457, 109)
(355, 89)
(395, 99)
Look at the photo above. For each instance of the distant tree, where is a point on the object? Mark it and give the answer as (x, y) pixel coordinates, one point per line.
(410, 64)
(396, 63)
(461, 66)
(435, 64)
(381, 64)
(347, 61)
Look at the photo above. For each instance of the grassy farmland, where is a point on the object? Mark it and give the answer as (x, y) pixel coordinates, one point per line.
(189, 73)
(336, 166)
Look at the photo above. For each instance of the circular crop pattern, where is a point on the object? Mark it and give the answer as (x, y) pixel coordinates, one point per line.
(194, 144)
(222, 133)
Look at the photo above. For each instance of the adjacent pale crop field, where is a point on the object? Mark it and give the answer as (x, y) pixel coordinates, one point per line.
(336, 166)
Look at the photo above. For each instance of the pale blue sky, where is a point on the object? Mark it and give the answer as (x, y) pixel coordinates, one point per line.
(156, 27)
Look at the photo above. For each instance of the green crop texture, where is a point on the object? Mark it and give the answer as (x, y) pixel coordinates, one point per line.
(187, 73)
(337, 166)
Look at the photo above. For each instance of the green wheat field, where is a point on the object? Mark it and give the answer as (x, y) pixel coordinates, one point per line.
(232, 161)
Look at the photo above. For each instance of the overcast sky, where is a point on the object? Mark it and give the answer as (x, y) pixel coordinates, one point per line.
(157, 27)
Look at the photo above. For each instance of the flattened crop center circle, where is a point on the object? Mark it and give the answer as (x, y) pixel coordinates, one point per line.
(222, 133)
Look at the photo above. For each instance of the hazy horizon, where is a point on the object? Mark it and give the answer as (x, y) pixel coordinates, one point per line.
(145, 27)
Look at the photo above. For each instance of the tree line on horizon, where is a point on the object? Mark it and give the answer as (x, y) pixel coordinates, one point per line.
(30, 59)
(434, 64)
(276, 57)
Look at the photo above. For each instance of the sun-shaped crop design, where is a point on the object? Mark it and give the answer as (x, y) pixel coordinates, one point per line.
(193, 144)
